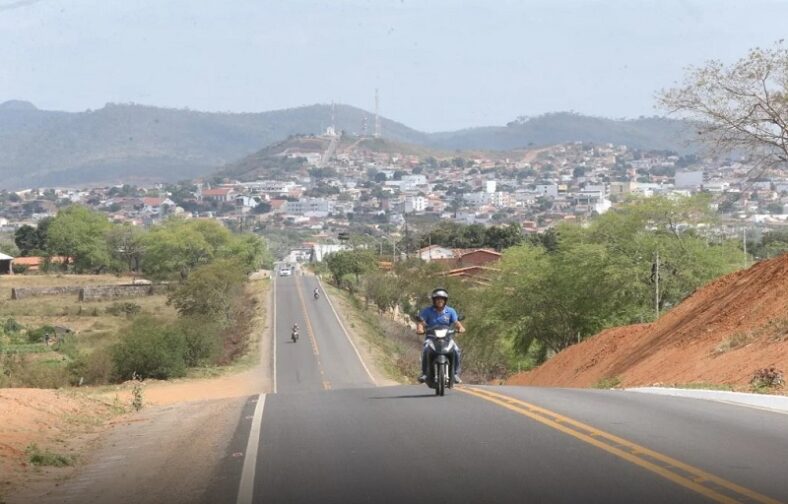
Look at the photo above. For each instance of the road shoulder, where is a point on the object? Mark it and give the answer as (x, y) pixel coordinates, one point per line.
(373, 353)
(776, 403)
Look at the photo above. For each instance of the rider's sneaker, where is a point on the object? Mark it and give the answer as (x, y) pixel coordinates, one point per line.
(457, 379)
(422, 378)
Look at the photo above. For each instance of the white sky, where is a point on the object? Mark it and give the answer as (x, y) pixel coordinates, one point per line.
(439, 64)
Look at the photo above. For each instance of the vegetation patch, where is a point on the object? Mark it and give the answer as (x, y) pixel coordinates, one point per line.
(767, 380)
(39, 457)
(609, 382)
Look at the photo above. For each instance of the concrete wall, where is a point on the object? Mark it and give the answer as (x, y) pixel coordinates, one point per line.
(106, 292)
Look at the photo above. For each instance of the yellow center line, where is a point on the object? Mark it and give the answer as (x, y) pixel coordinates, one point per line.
(694, 478)
(311, 333)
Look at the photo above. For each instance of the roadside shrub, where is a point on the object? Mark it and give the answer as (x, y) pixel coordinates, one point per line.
(94, 368)
(37, 335)
(149, 349)
(124, 308)
(201, 338)
(19, 371)
(767, 378)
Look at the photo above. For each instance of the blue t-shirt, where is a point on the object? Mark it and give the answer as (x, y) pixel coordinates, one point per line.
(431, 317)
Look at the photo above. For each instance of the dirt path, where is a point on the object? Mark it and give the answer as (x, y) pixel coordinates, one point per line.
(165, 453)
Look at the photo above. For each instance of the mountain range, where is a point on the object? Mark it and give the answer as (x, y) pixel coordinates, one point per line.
(141, 144)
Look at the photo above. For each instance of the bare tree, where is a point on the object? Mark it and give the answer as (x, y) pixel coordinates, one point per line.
(741, 107)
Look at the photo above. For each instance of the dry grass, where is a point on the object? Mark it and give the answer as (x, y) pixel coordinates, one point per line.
(93, 326)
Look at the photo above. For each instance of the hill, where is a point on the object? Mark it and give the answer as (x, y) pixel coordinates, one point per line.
(278, 159)
(645, 133)
(141, 144)
(721, 334)
(134, 143)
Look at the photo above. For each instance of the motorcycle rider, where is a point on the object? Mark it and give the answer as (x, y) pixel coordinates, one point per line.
(316, 293)
(438, 314)
(294, 331)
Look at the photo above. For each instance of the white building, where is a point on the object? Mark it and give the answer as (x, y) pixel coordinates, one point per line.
(317, 207)
(414, 204)
(490, 186)
(547, 190)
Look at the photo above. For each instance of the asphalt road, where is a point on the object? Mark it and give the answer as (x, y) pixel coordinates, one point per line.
(329, 435)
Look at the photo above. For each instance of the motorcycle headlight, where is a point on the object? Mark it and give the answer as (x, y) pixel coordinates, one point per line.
(441, 333)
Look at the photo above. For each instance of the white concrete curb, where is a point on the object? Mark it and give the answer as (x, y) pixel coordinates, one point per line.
(777, 403)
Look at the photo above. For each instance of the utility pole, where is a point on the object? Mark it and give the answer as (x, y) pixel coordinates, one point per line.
(744, 243)
(656, 284)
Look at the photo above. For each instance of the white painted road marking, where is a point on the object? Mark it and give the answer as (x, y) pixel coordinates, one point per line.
(344, 330)
(246, 488)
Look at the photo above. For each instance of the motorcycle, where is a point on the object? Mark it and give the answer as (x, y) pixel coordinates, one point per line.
(317, 295)
(440, 340)
(294, 336)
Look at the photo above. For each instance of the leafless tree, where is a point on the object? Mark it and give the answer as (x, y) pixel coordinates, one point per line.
(742, 107)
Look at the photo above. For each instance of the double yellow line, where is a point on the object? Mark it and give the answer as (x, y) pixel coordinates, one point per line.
(690, 477)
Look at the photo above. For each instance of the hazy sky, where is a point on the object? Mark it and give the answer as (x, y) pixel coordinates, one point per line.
(438, 64)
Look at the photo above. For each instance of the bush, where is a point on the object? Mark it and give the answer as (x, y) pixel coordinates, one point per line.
(19, 269)
(91, 369)
(11, 326)
(202, 340)
(767, 378)
(149, 349)
(38, 335)
(124, 308)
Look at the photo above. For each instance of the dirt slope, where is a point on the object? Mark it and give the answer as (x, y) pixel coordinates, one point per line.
(721, 334)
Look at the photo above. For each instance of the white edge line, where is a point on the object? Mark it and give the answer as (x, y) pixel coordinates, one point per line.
(344, 330)
(246, 487)
(273, 329)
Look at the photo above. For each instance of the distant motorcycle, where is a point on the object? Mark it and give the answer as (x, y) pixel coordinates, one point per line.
(440, 340)
(294, 336)
(317, 295)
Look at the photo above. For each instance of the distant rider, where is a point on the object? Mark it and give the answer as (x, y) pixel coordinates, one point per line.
(439, 314)
(295, 330)
(316, 293)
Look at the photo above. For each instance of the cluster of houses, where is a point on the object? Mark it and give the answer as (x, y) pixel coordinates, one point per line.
(344, 187)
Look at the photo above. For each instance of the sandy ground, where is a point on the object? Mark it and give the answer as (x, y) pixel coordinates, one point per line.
(720, 335)
(126, 457)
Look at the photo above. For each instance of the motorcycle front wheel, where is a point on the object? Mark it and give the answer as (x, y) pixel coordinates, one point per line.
(440, 384)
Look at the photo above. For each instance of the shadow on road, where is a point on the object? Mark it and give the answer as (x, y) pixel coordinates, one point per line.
(413, 396)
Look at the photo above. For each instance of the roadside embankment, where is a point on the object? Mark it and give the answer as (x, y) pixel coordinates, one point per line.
(730, 334)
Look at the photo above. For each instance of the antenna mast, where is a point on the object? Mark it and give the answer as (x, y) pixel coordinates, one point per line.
(377, 115)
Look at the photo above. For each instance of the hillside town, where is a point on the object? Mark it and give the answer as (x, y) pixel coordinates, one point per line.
(334, 191)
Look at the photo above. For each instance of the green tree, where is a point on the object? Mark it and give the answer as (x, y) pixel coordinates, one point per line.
(501, 237)
(80, 233)
(26, 239)
(343, 263)
(127, 245)
(209, 291)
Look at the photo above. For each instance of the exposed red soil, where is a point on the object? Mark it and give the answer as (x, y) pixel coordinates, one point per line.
(692, 342)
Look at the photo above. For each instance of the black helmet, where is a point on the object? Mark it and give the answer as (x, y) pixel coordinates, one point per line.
(440, 293)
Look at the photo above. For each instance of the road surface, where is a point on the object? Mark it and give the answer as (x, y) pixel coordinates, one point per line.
(329, 435)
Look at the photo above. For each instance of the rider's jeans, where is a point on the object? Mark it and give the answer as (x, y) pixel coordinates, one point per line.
(425, 359)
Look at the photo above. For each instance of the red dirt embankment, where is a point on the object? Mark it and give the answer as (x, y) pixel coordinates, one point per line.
(721, 334)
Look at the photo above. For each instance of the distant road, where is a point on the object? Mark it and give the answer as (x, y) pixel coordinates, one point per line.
(329, 435)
